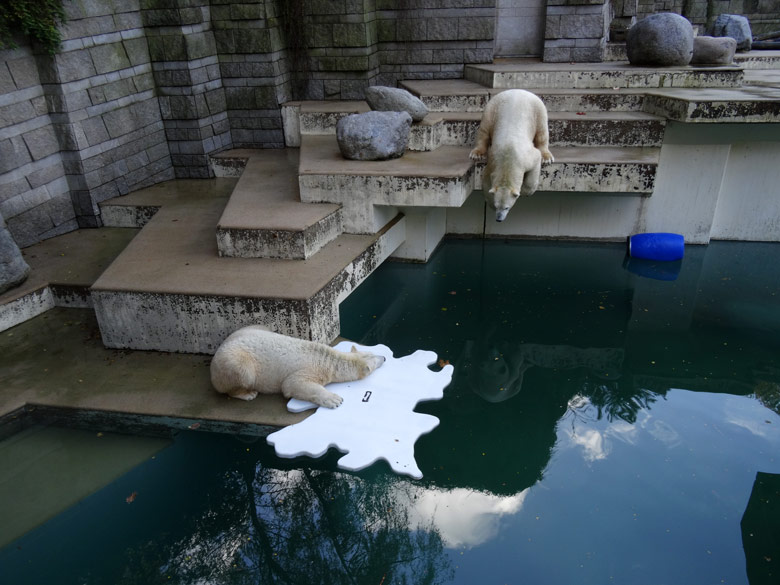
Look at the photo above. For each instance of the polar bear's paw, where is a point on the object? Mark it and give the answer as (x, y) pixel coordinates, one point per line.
(547, 157)
(248, 395)
(329, 400)
(477, 154)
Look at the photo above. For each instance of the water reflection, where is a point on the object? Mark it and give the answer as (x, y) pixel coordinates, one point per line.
(567, 451)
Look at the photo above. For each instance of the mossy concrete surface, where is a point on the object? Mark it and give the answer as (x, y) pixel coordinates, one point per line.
(56, 364)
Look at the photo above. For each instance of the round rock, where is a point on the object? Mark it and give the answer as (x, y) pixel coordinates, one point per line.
(735, 26)
(713, 50)
(374, 135)
(664, 39)
(13, 269)
(391, 99)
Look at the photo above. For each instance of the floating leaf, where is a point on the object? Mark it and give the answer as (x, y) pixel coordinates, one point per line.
(131, 498)
(443, 363)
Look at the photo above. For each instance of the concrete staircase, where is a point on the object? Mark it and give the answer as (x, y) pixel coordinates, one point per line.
(303, 226)
(202, 266)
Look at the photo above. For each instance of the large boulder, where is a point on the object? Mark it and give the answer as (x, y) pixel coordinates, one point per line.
(391, 99)
(735, 26)
(713, 50)
(13, 269)
(664, 39)
(374, 135)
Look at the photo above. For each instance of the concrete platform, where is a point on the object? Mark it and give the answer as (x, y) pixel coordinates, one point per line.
(154, 295)
(462, 95)
(567, 128)
(527, 73)
(265, 217)
(57, 370)
(63, 269)
(446, 177)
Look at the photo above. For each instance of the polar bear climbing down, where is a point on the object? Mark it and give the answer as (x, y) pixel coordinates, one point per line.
(255, 361)
(514, 136)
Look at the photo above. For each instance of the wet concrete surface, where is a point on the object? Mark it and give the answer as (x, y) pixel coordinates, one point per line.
(56, 363)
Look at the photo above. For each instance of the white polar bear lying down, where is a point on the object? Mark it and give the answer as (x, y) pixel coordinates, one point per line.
(254, 360)
(514, 136)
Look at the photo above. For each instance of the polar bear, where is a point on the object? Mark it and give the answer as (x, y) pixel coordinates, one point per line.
(254, 360)
(514, 136)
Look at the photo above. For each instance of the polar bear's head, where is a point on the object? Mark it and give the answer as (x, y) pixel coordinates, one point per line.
(502, 199)
(367, 362)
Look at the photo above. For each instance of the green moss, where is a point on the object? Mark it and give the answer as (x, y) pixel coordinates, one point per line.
(37, 19)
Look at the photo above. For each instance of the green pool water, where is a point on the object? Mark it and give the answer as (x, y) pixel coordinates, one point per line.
(602, 427)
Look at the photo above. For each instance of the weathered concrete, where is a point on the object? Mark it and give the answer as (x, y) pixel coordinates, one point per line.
(716, 106)
(599, 75)
(62, 270)
(442, 178)
(446, 176)
(572, 128)
(265, 217)
(461, 95)
(57, 361)
(155, 294)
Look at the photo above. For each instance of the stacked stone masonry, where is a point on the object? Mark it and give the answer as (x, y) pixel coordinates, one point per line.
(144, 91)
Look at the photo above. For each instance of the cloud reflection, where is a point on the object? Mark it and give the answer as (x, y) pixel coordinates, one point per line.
(461, 516)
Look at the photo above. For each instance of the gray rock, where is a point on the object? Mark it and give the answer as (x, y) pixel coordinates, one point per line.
(713, 50)
(13, 269)
(391, 99)
(374, 135)
(735, 26)
(664, 39)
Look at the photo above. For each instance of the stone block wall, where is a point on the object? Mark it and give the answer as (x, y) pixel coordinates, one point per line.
(34, 194)
(186, 72)
(764, 15)
(101, 96)
(432, 39)
(253, 69)
(576, 30)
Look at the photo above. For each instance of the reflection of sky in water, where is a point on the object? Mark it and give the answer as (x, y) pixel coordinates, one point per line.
(601, 427)
(462, 517)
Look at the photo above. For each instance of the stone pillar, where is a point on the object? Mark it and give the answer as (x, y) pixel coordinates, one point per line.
(254, 68)
(624, 18)
(576, 30)
(101, 101)
(189, 86)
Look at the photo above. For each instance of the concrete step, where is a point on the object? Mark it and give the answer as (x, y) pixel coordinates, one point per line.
(450, 128)
(462, 95)
(566, 129)
(263, 218)
(754, 104)
(155, 295)
(446, 176)
(525, 73)
(758, 60)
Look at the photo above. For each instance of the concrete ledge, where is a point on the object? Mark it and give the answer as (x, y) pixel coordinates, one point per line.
(265, 217)
(461, 95)
(63, 269)
(599, 75)
(446, 177)
(157, 292)
(442, 178)
(722, 106)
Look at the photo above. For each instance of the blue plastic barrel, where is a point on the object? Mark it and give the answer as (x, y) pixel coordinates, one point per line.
(656, 246)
